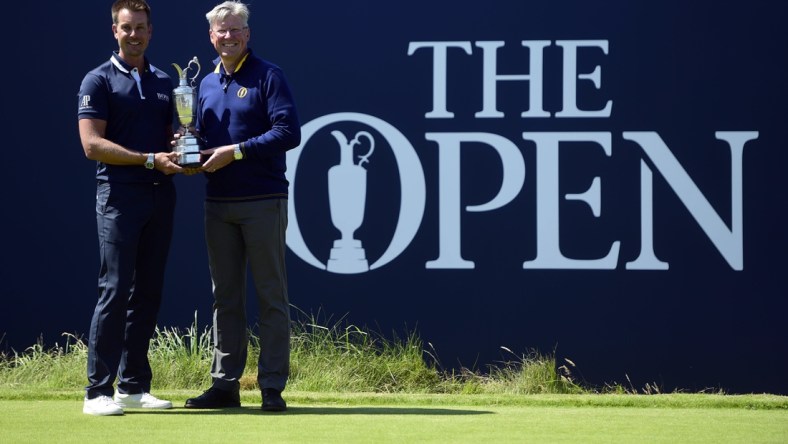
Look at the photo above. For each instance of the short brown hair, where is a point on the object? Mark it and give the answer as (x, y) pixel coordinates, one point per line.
(131, 5)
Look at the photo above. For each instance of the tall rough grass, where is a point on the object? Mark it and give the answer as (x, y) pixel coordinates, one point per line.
(58, 367)
(335, 358)
(349, 359)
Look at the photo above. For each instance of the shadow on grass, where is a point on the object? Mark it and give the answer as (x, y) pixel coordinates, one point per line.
(424, 411)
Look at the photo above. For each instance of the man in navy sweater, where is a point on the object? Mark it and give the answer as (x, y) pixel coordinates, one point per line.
(247, 119)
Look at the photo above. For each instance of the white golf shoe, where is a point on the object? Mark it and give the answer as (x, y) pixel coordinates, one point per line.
(101, 406)
(141, 401)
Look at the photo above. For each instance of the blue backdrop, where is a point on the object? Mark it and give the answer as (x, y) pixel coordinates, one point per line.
(602, 180)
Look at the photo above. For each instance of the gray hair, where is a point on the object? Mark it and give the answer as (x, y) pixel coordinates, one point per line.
(230, 7)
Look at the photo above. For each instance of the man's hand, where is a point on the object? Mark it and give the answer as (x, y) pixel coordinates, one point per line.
(165, 162)
(220, 158)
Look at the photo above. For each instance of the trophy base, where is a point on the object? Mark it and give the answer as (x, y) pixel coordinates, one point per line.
(188, 149)
(189, 160)
(347, 258)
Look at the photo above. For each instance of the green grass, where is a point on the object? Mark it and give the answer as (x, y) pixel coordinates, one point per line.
(348, 385)
(403, 418)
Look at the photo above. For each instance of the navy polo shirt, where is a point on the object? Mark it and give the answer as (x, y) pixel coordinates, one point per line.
(139, 112)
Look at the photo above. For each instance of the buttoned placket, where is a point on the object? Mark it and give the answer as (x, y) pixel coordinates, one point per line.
(135, 73)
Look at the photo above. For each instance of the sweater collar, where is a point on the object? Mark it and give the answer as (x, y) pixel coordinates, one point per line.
(220, 68)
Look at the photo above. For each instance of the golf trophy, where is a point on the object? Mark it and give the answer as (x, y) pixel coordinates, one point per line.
(347, 195)
(188, 146)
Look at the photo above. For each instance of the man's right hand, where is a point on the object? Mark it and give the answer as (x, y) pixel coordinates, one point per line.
(165, 162)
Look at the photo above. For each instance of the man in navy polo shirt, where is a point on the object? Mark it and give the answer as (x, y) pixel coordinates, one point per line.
(125, 124)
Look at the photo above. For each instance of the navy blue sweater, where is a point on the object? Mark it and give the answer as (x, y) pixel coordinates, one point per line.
(253, 107)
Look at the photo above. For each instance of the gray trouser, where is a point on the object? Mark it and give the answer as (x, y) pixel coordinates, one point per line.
(237, 234)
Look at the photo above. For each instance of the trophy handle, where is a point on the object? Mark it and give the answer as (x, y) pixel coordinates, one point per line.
(196, 62)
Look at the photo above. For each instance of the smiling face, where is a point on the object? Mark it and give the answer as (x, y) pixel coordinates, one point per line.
(229, 37)
(133, 32)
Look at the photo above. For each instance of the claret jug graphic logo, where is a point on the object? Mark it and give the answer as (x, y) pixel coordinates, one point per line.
(347, 195)
(347, 191)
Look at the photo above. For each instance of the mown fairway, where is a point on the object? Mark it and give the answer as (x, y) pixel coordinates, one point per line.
(418, 418)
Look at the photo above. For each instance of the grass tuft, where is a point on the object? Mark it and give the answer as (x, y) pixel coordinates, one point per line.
(338, 357)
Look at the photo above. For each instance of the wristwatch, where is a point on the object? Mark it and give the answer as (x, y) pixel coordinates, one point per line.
(149, 164)
(237, 153)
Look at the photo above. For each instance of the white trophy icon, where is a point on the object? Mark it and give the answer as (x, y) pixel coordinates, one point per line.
(347, 195)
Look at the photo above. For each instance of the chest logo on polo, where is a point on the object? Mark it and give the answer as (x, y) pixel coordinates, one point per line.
(242, 92)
